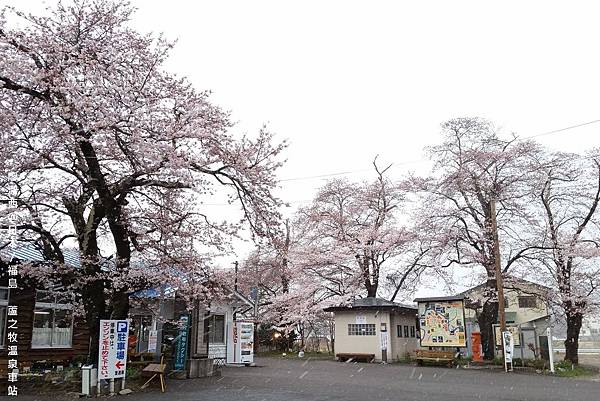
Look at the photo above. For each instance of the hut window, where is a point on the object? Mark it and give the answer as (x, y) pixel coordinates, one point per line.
(214, 329)
(361, 329)
(52, 321)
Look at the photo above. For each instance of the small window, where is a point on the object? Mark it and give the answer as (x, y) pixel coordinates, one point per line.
(214, 329)
(406, 331)
(361, 329)
(399, 330)
(527, 302)
(413, 332)
(52, 321)
(506, 305)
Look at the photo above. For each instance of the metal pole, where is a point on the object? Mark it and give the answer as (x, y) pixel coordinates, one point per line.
(111, 386)
(550, 350)
(521, 343)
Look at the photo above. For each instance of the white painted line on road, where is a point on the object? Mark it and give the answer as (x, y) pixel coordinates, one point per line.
(412, 374)
(303, 374)
(360, 370)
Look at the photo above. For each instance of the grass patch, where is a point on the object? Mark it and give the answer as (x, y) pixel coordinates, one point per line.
(566, 369)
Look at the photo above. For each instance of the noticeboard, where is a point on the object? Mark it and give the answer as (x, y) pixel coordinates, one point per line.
(442, 323)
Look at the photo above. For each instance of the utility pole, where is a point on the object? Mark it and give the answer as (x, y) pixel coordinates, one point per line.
(499, 281)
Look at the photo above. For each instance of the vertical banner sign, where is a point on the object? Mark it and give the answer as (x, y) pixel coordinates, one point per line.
(182, 343)
(509, 346)
(384, 340)
(112, 352)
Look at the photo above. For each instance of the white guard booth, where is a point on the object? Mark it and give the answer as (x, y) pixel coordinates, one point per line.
(240, 344)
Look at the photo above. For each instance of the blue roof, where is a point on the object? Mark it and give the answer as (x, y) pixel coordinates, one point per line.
(29, 252)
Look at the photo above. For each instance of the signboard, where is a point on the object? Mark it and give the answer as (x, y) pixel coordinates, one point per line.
(384, 340)
(442, 323)
(182, 343)
(361, 319)
(152, 340)
(112, 352)
(514, 330)
(509, 346)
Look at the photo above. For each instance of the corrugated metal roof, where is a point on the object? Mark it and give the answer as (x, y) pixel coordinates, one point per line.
(29, 252)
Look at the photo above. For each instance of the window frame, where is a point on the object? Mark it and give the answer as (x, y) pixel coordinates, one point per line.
(413, 332)
(209, 332)
(406, 331)
(354, 329)
(53, 306)
(524, 298)
(399, 331)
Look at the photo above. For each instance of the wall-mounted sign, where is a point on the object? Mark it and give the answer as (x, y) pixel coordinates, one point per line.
(383, 340)
(361, 319)
(152, 340)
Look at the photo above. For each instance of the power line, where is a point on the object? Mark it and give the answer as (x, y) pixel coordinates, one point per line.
(310, 177)
(561, 129)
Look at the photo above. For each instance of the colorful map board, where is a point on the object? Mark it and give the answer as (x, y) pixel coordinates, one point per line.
(442, 323)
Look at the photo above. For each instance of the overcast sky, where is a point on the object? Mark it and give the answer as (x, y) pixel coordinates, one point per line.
(346, 80)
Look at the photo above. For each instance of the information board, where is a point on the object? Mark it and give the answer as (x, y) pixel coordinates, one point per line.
(442, 323)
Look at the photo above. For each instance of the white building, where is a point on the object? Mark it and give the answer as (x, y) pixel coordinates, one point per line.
(375, 326)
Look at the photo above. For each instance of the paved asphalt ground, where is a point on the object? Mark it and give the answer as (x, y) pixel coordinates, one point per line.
(305, 380)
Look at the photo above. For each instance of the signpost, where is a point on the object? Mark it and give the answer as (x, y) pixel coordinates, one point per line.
(112, 352)
(509, 346)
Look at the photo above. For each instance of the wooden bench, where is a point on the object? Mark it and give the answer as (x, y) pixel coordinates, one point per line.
(155, 369)
(350, 356)
(421, 355)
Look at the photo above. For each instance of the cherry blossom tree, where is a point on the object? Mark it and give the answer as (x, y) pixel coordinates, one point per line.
(473, 168)
(107, 149)
(567, 194)
(351, 232)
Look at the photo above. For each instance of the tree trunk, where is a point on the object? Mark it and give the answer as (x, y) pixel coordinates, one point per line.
(574, 320)
(487, 318)
(93, 299)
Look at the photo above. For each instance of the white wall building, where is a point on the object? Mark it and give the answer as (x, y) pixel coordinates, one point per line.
(371, 324)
